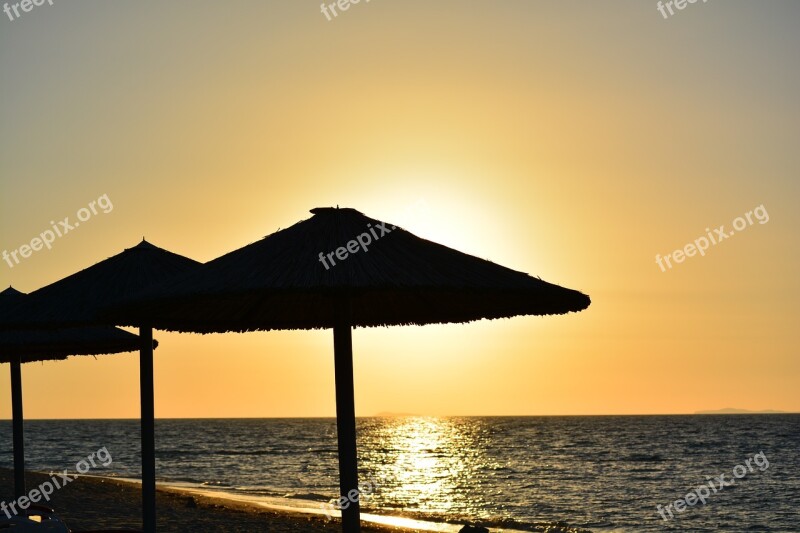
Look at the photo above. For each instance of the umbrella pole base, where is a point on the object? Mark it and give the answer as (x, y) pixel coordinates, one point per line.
(346, 427)
(148, 430)
(18, 431)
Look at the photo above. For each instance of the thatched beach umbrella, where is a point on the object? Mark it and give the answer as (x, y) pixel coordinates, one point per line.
(18, 347)
(76, 300)
(341, 269)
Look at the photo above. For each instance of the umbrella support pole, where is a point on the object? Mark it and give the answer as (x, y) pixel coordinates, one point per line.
(148, 430)
(18, 438)
(346, 427)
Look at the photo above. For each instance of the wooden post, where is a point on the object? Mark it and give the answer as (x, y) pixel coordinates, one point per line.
(18, 429)
(346, 422)
(148, 429)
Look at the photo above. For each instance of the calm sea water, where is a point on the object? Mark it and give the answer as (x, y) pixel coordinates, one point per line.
(601, 473)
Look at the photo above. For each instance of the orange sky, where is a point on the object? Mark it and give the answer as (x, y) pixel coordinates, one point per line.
(570, 140)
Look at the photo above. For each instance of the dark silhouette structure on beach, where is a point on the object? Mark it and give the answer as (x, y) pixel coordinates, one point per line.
(26, 346)
(337, 270)
(77, 301)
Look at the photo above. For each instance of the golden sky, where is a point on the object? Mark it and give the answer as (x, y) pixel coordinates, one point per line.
(571, 140)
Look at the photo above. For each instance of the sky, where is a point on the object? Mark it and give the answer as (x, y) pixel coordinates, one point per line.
(576, 141)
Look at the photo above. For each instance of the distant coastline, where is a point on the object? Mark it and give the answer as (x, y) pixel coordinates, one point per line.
(736, 411)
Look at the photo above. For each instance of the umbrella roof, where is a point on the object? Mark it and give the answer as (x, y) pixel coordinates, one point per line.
(75, 300)
(41, 345)
(395, 278)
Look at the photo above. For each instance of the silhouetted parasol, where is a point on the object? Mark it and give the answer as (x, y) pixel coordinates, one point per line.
(76, 301)
(337, 270)
(18, 347)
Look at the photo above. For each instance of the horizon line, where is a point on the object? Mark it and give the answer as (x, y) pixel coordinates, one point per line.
(333, 417)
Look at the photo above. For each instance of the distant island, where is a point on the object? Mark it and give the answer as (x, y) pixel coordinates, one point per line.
(734, 411)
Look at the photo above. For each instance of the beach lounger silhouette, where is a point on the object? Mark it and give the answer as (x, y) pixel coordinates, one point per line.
(42, 519)
(34, 519)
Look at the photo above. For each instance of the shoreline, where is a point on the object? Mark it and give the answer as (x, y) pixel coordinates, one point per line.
(370, 521)
(217, 497)
(97, 502)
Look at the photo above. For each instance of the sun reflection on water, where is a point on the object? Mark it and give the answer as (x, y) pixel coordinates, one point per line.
(424, 464)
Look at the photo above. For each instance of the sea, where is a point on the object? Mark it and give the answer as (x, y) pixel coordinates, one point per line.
(600, 473)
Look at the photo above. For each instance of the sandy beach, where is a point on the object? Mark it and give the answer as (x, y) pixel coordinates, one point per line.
(95, 503)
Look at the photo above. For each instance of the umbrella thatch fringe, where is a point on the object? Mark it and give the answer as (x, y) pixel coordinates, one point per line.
(58, 344)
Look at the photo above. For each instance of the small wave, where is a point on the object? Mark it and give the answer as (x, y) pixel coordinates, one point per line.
(322, 450)
(312, 496)
(645, 458)
(212, 453)
(250, 452)
(215, 484)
